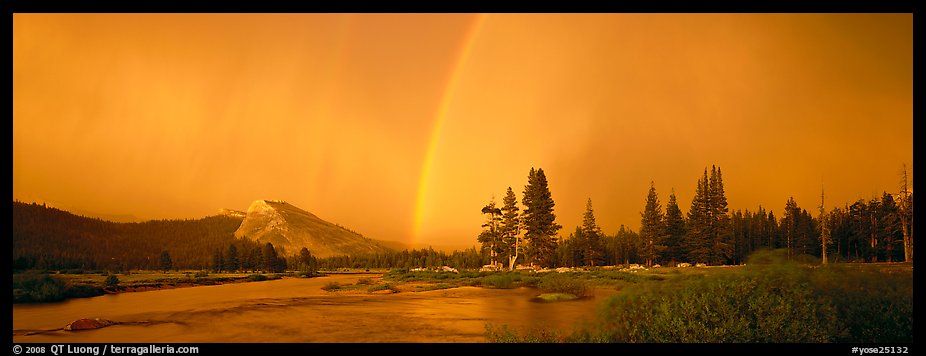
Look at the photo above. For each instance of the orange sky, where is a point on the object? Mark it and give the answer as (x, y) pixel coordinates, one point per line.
(401, 127)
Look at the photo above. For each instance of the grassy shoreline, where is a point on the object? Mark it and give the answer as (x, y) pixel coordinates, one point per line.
(45, 286)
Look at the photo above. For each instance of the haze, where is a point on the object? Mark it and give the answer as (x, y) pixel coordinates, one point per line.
(402, 126)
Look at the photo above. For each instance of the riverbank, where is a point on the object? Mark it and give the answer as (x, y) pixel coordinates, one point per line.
(43, 286)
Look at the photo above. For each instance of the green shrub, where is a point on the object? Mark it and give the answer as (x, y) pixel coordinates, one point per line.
(872, 307)
(365, 281)
(562, 283)
(756, 307)
(535, 335)
(437, 286)
(501, 281)
(331, 286)
(83, 291)
(201, 274)
(384, 286)
(621, 276)
(530, 281)
(111, 281)
(257, 277)
(38, 287)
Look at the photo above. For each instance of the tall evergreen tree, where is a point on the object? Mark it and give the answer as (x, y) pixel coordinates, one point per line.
(721, 228)
(491, 237)
(652, 228)
(218, 261)
(789, 225)
(594, 252)
(697, 239)
(675, 231)
(571, 250)
(538, 219)
(891, 240)
(165, 262)
(232, 263)
(256, 258)
(307, 262)
(269, 258)
(510, 227)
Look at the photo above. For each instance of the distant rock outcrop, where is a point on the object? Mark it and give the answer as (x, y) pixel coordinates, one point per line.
(232, 213)
(290, 229)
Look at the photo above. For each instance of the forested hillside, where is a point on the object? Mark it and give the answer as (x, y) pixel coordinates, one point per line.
(49, 238)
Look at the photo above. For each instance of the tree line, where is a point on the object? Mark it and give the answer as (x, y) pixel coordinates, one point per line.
(879, 229)
(50, 238)
(408, 259)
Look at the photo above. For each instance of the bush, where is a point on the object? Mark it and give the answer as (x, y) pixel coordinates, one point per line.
(257, 277)
(536, 335)
(561, 283)
(501, 281)
(872, 307)
(383, 286)
(201, 274)
(38, 287)
(83, 291)
(753, 307)
(365, 281)
(111, 281)
(331, 286)
(622, 276)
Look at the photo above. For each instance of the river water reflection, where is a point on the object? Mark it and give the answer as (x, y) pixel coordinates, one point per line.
(297, 310)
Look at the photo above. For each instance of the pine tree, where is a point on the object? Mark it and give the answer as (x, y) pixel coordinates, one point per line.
(538, 219)
(697, 239)
(491, 237)
(232, 263)
(593, 251)
(166, 263)
(721, 228)
(218, 261)
(789, 225)
(269, 258)
(571, 250)
(310, 263)
(256, 258)
(652, 228)
(510, 227)
(825, 241)
(675, 231)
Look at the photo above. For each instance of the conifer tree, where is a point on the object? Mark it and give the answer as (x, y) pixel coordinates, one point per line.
(232, 263)
(538, 219)
(490, 237)
(652, 228)
(675, 231)
(592, 236)
(721, 227)
(510, 227)
(696, 241)
(165, 261)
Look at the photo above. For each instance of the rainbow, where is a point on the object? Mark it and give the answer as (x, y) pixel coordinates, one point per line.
(463, 53)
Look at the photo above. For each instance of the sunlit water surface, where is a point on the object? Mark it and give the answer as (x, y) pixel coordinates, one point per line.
(298, 310)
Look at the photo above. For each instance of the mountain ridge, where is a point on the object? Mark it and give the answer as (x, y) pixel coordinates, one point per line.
(290, 228)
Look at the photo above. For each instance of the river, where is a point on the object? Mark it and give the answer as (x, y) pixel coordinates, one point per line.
(297, 310)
